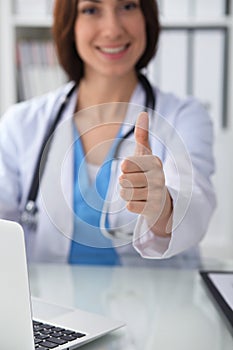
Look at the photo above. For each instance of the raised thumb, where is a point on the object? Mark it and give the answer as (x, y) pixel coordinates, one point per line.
(141, 135)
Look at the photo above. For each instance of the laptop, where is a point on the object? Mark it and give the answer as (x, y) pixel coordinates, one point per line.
(53, 326)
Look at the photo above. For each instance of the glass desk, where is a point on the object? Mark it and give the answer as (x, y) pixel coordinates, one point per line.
(163, 308)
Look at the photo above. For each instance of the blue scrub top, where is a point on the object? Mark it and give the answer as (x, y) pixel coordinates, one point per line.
(89, 245)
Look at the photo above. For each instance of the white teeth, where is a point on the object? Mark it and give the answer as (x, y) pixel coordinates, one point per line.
(112, 49)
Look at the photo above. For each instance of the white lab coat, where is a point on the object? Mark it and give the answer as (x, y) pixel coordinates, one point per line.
(183, 142)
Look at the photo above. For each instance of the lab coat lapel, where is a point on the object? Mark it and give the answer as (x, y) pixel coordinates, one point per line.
(56, 193)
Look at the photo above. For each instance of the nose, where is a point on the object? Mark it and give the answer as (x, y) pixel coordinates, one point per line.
(113, 26)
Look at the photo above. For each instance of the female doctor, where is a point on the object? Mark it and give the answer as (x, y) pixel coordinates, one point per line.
(92, 177)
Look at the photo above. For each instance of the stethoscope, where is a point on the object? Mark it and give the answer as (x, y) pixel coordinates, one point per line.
(30, 212)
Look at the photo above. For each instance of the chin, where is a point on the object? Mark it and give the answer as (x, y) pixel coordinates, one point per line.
(118, 73)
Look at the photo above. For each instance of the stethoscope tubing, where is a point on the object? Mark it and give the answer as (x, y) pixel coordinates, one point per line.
(30, 213)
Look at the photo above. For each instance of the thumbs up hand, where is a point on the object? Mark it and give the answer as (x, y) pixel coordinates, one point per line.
(142, 136)
(143, 182)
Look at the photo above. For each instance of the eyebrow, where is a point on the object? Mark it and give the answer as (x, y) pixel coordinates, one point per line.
(95, 1)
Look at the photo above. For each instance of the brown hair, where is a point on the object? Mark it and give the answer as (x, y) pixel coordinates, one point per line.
(65, 13)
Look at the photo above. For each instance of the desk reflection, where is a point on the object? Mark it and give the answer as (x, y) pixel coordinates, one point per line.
(163, 308)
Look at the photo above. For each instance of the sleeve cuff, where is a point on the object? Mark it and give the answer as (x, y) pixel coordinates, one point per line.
(147, 244)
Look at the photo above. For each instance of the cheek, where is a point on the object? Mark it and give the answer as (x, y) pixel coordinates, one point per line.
(140, 32)
(81, 35)
(143, 38)
(76, 34)
(141, 45)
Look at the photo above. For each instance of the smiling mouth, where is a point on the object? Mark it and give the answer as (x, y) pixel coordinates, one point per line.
(113, 50)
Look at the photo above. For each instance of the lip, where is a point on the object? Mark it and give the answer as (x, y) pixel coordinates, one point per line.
(113, 51)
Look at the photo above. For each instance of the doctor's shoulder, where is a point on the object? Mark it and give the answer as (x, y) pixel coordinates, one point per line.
(36, 111)
(181, 110)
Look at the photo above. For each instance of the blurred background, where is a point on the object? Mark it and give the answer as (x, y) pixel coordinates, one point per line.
(195, 57)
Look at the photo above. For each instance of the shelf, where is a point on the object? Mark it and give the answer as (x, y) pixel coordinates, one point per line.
(225, 22)
(32, 22)
(46, 22)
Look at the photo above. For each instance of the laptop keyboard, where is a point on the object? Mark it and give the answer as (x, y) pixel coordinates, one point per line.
(50, 337)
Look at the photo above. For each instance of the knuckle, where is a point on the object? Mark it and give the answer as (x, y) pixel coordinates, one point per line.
(156, 162)
(130, 206)
(126, 194)
(125, 165)
(156, 180)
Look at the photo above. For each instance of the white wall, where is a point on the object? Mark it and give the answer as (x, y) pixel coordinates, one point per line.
(219, 239)
(7, 80)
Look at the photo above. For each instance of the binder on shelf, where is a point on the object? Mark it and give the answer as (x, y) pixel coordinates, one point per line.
(175, 9)
(169, 68)
(37, 8)
(182, 9)
(160, 6)
(153, 70)
(24, 61)
(208, 74)
(38, 68)
(50, 4)
(210, 8)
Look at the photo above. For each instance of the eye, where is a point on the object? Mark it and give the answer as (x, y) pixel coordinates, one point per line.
(89, 10)
(130, 6)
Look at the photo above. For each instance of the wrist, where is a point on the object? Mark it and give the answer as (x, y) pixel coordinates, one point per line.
(163, 225)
